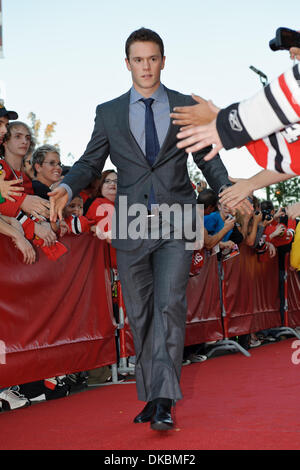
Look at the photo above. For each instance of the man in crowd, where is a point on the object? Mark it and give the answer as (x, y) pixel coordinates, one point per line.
(135, 131)
(10, 398)
(17, 143)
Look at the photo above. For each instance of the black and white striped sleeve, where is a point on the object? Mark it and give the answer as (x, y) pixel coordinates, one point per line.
(269, 111)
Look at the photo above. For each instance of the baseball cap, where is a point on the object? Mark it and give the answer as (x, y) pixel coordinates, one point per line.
(11, 115)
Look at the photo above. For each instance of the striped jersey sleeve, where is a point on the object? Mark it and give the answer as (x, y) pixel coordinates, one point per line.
(273, 108)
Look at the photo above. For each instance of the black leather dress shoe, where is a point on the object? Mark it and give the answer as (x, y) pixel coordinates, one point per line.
(162, 419)
(146, 414)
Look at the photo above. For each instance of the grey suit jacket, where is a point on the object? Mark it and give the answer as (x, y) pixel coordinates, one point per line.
(112, 137)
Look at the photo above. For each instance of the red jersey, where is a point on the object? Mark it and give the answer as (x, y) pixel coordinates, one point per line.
(284, 239)
(9, 208)
(280, 151)
(101, 212)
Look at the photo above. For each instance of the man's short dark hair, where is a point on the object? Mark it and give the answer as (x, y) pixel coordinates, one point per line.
(144, 35)
(207, 197)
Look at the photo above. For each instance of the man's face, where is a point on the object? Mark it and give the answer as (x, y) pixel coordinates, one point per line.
(19, 141)
(3, 127)
(145, 64)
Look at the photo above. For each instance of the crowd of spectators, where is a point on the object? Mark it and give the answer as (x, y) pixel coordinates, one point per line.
(267, 231)
(27, 175)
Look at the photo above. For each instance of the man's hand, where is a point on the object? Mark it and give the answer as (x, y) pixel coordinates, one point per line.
(198, 137)
(235, 194)
(293, 210)
(278, 232)
(25, 247)
(257, 217)
(229, 245)
(45, 232)
(244, 207)
(11, 188)
(271, 249)
(229, 223)
(58, 201)
(63, 228)
(36, 206)
(196, 115)
(295, 53)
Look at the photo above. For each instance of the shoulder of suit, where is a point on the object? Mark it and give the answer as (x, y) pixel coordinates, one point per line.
(186, 99)
(114, 102)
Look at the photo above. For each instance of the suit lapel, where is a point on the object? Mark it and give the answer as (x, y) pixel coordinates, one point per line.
(172, 130)
(123, 123)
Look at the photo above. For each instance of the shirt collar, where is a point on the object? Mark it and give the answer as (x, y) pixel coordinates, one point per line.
(159, 95)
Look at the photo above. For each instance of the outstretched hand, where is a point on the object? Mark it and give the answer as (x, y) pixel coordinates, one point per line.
(295, 53)
(198, 137)
(236, 193)
(293, 210)
(58, 201)
(10, 188)
(196, 115)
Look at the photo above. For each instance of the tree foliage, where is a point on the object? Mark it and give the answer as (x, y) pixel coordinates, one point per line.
(286, 192)
(42, 137)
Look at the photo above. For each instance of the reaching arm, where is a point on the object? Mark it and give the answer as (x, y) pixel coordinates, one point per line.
(269, 111)
(88, 167)
(7, 228)
(233, 195)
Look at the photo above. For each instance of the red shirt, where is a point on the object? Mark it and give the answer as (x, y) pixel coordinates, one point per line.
(101, 211)
(9, 208)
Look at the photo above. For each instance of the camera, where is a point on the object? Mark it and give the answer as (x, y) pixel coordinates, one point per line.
(284, 218)
(285, 39)
(266, 214)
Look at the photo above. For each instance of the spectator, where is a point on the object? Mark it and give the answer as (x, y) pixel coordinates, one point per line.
(295, 251)
(106, 197)
(214, 222)
(107, 191)
(27, 165)
(10, 398)
(73, 217)
(280, 232)
(201, 185)
(46, 168)
(209, 199)
(16, 143)
(12, 228)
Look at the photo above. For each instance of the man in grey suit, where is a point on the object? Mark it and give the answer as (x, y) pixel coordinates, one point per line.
(136, 131)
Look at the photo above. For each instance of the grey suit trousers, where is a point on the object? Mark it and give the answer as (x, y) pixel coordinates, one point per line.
(154, 279)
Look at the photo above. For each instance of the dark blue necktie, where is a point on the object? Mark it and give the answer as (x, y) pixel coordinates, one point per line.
(151, 140)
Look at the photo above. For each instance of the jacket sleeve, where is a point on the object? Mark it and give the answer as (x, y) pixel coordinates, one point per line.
(91, 164)
(213, 170)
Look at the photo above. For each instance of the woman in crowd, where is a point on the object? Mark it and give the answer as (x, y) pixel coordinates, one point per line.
(100, 211)
(47, 169)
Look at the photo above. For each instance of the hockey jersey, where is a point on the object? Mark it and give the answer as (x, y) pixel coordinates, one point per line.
(268, 116)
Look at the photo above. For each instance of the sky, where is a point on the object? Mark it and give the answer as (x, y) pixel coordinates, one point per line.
(64, 57)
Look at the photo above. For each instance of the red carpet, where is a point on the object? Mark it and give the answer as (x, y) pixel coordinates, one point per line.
(230, 402)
